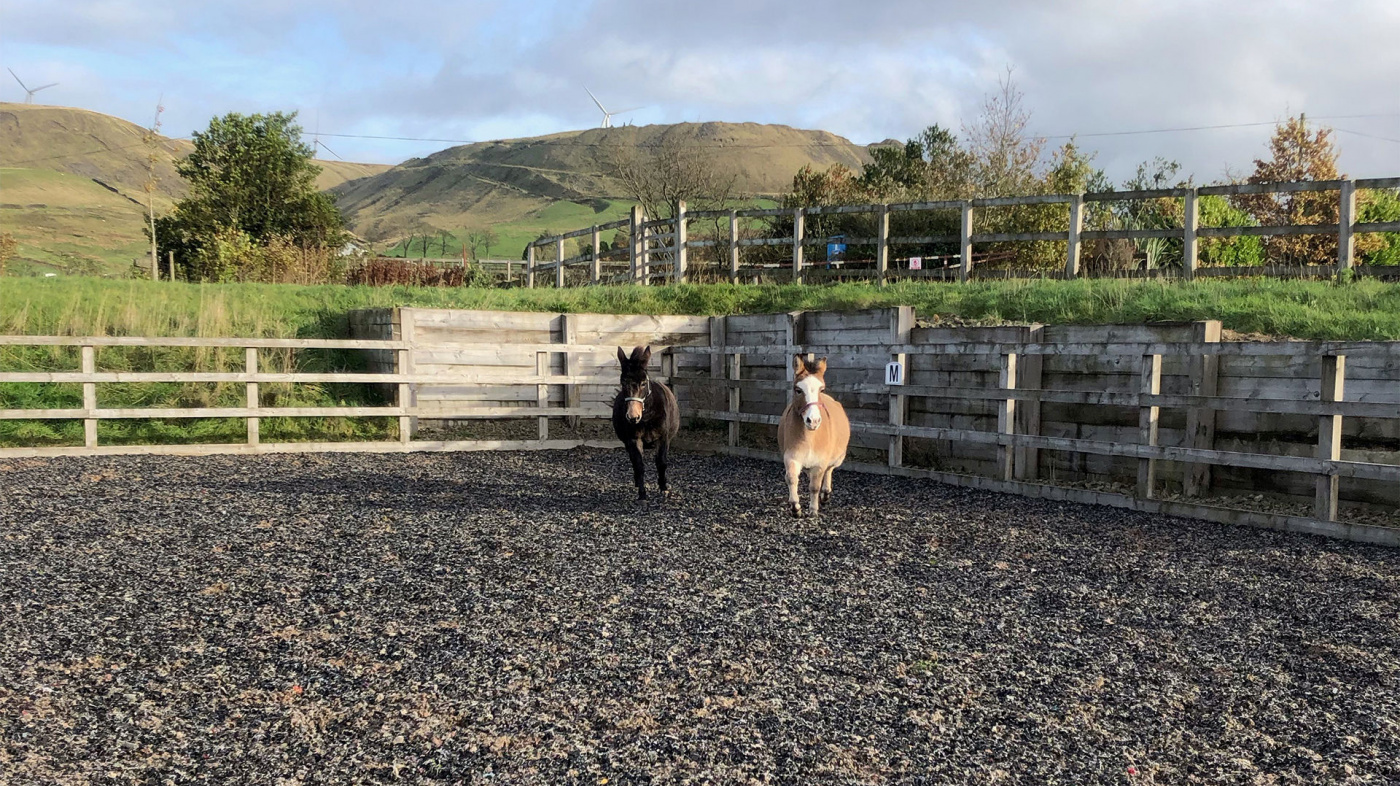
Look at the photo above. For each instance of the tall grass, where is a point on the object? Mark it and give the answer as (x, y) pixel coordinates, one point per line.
(1361, 310)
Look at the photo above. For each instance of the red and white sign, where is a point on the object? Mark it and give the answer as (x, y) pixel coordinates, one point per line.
(916, 263)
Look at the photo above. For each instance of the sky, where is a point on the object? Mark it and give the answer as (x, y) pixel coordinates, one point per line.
(475, 70)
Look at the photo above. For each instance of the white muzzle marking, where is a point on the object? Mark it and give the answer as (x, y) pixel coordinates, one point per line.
(812, 409)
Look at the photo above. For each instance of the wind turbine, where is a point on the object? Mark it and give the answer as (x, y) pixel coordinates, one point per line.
(316, 139)
(607, 116)
(29, 94)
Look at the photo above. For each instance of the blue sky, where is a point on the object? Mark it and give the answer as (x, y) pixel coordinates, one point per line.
(476, 70)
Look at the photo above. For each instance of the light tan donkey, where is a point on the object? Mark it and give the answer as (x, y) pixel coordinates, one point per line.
(813, 435)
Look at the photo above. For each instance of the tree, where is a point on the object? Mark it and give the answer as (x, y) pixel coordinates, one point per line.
(931, 166)
(1005, 157)
(249, 175)
(480, 241)
(660, 175)
(1296, 153)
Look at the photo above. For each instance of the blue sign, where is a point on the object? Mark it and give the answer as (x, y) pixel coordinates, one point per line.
(836, 249)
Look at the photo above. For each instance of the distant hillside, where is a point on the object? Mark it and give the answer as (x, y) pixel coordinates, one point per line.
(493, 183)
(111, 150)
(72, 185)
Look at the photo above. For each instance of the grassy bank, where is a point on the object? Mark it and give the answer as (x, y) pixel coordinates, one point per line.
(85, 306)
(1301, 309)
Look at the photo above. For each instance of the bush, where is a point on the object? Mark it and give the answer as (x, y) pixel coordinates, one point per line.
(393, 272)
(7, 250)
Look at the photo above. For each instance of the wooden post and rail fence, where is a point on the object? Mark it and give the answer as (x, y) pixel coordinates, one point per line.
(1159, 418)
(658, 249)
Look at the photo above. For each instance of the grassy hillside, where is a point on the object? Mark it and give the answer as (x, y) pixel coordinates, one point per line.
(493, 183)
(69, 224)
(72, 186)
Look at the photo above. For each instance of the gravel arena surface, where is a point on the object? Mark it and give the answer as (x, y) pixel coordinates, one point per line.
(518, 618)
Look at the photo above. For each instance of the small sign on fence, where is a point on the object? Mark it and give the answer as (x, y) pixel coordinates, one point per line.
(916, 263)
(836, 249)
(894, 373)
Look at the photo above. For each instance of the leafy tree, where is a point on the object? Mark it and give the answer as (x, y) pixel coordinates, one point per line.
(1379, 250)
(930, 166)
(1297, 152)
(249, 175)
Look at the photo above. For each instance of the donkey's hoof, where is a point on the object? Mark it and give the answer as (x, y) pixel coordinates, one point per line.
(796, 510)
(823, 497)
(642, 495)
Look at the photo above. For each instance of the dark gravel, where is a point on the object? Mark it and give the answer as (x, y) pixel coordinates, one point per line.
(517, 618)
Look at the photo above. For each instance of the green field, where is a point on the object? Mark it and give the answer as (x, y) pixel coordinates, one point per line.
(1363, 310)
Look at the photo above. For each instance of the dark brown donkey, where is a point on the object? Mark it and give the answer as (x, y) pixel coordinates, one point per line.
(644, 415)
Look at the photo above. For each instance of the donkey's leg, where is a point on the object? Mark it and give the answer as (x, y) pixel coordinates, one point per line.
(634, 452)
(826, 484)
(814, 488)
(794, 473)
(661, 450)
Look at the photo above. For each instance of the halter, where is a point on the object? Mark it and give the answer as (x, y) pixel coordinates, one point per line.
(642, 399)
(811, 404)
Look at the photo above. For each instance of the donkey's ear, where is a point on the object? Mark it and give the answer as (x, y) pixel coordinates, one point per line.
(798, 364)
(646, 356)
(821, 366)
(621, 356)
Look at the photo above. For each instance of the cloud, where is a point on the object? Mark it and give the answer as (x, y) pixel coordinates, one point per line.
(470, 70)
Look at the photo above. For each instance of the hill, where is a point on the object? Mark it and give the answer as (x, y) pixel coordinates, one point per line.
(513, 181)
(72, 185)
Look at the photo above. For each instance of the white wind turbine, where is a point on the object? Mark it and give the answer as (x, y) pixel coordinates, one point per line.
(607, 116)
(28, 93)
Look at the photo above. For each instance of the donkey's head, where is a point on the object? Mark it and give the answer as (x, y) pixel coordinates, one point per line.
(635, 384)
(808, 382)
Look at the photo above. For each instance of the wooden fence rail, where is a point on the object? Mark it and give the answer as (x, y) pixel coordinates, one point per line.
(659, 246)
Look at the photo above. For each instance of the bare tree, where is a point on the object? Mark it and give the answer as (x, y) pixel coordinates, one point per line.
(1006, 156)
(480, 241)
(661, 174)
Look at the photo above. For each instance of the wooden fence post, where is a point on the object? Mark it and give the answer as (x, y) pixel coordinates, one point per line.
(682, 236)
(717, 361)
(634, 242)
(1200, 421)
(1006, 418)
(542, 393)
(530, 266)
(736, 361)
(1149, 418)
(882, 245)
(1076, 226)
(733, 246)
(595, 272)
(89, 358)
(965, 268)
(645, 253)
(1329, 437)
(798, 232)
(573, 397)
(1029, 377)
(250, 357)
(403, 397)
(1346, 219)
(559, 263)
(901, 322)
(1191, 248)
(171, 257)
